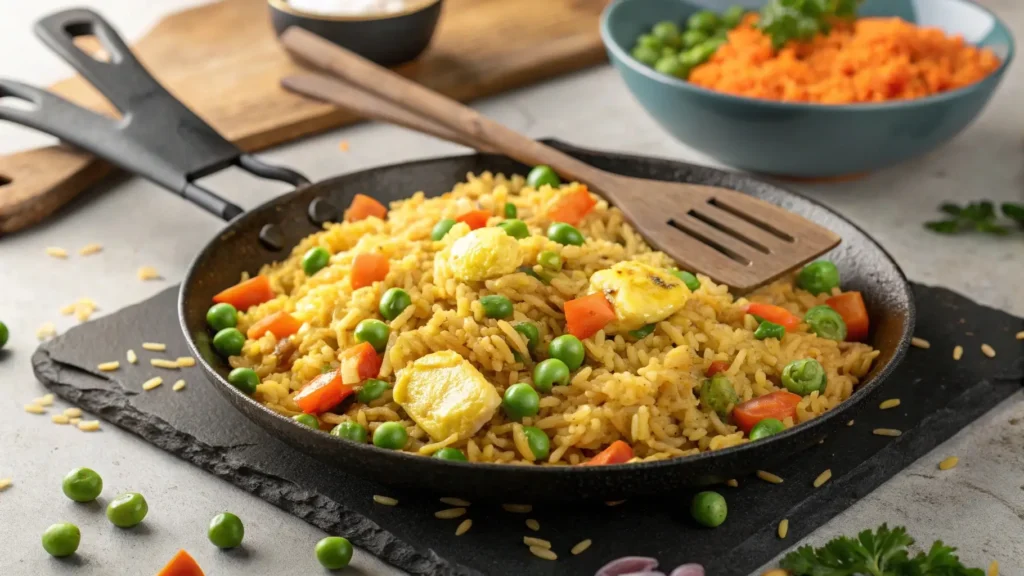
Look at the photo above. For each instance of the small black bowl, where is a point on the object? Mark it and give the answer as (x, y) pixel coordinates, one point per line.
(387, 39)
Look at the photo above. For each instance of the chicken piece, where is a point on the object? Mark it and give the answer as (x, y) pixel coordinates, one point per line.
(483, 253)
(641, 294)
(446, 395)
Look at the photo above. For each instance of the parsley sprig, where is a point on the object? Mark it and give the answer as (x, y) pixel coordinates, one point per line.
(979, 216)
(882, 552)
(785, 20)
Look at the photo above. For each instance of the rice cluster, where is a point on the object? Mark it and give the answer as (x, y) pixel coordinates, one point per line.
(643, 392)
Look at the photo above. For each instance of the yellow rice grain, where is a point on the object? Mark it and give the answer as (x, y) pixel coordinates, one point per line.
(988, 351)
(732, 483)
(784, 528)
(89, 425)
(152, 383)
(958, 352)
(949, 463)
(450, 513)
(518, 508)
(920, 343)
(178, 386)
(464, 527)
(769, 477)
(68, 310)
(90, 249)
(186, 362)
(74, 421)
(154, 346)
(890, 403)
(147, 273)
(132, 357)
(5, 483)
(539, 542)
(108, 366)
(56, 252)
(533, 524)
(993, 569)
(454, 501)
(73, 412)
(161, 363)
(385, 500)
(850, 423)
(543, 553)
(776, 572)
(1020, 335)
(46, 331)
(822, 478)
(44, 400)
(886, 432)
(59, 419)
(614, 502)
(581, 547)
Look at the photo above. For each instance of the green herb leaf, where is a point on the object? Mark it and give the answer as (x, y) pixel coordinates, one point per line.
(943, 226)
(991, 228)
(1014, 211)
(785, 20)
(978, 211)
(951, 209)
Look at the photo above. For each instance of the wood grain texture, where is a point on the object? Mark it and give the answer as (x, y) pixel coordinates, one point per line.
(223, 61)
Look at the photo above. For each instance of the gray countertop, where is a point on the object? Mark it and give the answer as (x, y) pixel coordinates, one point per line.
(979, 506)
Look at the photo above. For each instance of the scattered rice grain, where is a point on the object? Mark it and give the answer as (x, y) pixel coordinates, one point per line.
(464, 527)
(89, 425)
(5, 483)
(186, 362)
(108, 366)
(732, 483)
(343, 145)
(73, 412)
(178, 386)
(890, 403)
(958, 352)
(454, 501)
(993, 568)
(44, 400)
(776, 572)
(988, 351)
(850, 423)
(57, 252)
(920, 343)
(46, 331)
(154, 346)
(822, 478)
(581, 547)
(543, 553)
(886, 432)
(784, 528)
(385, 500)
(538, 542)
(60, 419)
(769, 477)
(74, 421)
(132, 357)
(533, 524)
(450, 513)
(1020, 335)
(614, 502)
(518, 508)
(148, 273)
(152, 383)
(948, 463)
(90, 249)
(161, 363)
(68, 310)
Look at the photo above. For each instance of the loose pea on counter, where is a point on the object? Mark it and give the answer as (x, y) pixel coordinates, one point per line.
(4, 334)
(709, 509)
(60, 540)
(226, 531)
(334, 552)
(353, 431)
(394, 302)
(82, 485)
(127, 510)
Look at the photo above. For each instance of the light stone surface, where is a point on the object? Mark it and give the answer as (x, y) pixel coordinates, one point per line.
(978, 506)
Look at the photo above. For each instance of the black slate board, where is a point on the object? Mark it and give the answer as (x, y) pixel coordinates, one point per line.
(939, 397)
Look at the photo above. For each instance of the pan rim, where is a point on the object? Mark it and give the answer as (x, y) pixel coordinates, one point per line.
(368, 450)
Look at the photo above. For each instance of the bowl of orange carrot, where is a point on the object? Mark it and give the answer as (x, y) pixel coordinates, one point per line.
(809, 88)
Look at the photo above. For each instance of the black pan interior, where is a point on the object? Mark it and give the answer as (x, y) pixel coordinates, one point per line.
(864, 265)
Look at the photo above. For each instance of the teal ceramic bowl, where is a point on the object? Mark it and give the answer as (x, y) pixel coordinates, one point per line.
(797, 139)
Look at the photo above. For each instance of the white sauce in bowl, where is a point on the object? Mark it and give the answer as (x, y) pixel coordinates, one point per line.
(352, 7)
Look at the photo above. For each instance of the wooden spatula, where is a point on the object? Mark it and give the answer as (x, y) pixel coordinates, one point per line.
(737, 240)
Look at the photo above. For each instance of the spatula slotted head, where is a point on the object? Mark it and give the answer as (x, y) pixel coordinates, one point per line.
(735, 239)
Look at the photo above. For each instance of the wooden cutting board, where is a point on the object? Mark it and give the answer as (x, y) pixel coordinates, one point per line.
(223, 61)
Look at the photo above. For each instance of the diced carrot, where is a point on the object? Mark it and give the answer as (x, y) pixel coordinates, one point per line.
(369, 268)
(781, 405)
(572, 207)
(363, 207)
(475, 219)
(716, 367)
(181, 564)
(776, 314)
(243, 295)
(586, 315)
(281, 324)
(359, 363)
(617, 453)
(850, 305)
(325, 392)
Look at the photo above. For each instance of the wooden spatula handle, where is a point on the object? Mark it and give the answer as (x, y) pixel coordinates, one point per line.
(427, 103)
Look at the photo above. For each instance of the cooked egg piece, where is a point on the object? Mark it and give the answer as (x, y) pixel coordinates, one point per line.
(641, 294)
(445, 395)
(483, 253)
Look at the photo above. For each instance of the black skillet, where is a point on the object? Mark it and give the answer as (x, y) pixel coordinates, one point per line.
(163, 141)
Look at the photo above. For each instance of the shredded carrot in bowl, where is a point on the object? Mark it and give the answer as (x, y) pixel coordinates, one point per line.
(869, 60)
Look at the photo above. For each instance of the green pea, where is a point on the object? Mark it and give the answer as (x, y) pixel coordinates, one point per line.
(692, 38)
(705, 20)
(390, 435)
(718, 394)
(127, 510)
(314, 260)
(4, 334)
(373, 331)
(60, 540)
(393, 302)
(82, 485)
(221, 316)
(543, 175)
(371, 390)
(245, 379)
(307, 420)
(568, 349)
(804, 376)
(650, 41)
(646, 55)
(826, 323)
(550, 260)
(529, 332)
(669, 52)
(768, 329)
(334, 552)
(732, 16)
(671, 66)
(765, 428)
(706, 50)
(644, 332)
(550, 372)
(692, 57)
(667, 32)
(226, 531)
(565, 234)
(520, 401)
(228, 342)
(349, 430)
(515, 228)
(510, 210)
(709, 509)
(450, 453)
(441, 229)
(818, 277)
(539, 442)
(496, 306)
(688, 278)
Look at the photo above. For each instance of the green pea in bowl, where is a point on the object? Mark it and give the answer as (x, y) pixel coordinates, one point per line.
(805, 140)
